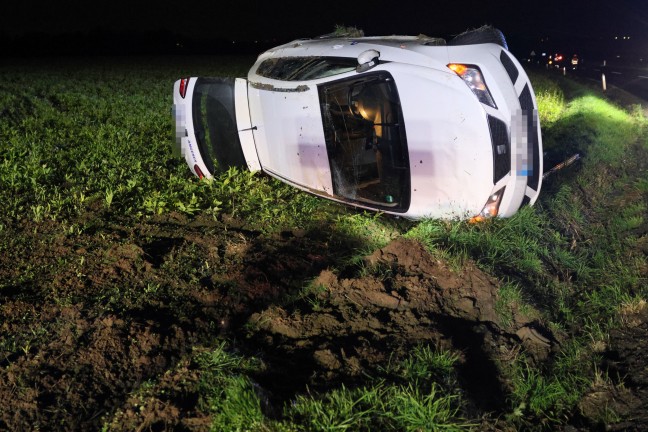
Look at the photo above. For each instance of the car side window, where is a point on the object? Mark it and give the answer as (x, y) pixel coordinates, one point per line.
(305, 68)
(365, 139)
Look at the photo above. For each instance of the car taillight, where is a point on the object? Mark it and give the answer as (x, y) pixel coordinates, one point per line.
(199, 172)
(184, 84)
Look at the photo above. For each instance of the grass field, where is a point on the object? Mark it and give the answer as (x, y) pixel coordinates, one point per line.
(136, 297)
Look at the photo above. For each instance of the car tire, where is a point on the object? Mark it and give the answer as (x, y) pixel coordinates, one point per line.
(485, 34)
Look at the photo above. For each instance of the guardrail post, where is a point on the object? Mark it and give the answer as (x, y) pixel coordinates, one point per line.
(603, 75)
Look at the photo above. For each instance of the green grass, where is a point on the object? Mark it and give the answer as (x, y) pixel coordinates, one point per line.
(230, 395)
(408, 399)
(427, 364)
(550, 98)
(511, 298)
(235, 402)
(69, 146)
(93, 141)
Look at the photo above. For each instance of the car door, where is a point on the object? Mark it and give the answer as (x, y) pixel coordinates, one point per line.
(213, 130)
(325, 128)
(289, 135)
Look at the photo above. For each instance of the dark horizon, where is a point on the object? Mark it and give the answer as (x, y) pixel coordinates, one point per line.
(103, 41)
(201, 27)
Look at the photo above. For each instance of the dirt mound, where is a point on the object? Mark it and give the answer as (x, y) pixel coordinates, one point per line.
(349, 326)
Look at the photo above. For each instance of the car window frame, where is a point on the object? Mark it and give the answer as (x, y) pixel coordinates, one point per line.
(301, 68)
(401, 200)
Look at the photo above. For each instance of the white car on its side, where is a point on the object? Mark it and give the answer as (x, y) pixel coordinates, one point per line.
(407, 125)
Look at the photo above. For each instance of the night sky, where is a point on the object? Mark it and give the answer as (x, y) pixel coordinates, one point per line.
(578, 22)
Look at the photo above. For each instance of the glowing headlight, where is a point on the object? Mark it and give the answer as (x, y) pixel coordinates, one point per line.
(491, 209)
(474, 79)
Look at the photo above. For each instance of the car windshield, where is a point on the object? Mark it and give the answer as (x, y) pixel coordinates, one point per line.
(305, 68)
(366, 142)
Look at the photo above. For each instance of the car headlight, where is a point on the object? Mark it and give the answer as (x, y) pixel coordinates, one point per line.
(491, 209)
(474, 79)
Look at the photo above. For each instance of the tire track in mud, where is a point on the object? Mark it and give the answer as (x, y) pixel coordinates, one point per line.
(361, 323)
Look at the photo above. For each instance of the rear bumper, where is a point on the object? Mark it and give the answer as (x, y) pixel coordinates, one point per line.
(185, 144)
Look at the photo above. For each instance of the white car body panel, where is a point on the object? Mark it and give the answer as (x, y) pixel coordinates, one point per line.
(289, 136)
(244, 124)
(443, 157)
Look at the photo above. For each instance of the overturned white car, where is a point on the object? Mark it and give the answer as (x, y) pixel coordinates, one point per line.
(406, 125)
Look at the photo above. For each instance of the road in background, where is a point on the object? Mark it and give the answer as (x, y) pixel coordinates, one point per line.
(630, 77)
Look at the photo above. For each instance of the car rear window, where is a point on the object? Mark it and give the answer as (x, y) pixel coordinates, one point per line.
(305, 68)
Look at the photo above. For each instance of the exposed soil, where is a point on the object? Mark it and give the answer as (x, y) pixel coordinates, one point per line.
(90, 317)
(364, 321)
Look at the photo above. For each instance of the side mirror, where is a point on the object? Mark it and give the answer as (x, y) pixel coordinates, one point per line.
(367, 60)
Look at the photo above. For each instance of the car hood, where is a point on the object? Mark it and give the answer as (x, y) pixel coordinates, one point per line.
(448, 142)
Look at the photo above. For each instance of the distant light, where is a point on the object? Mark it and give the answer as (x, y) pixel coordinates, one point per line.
(616, 37)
